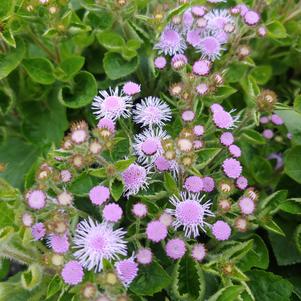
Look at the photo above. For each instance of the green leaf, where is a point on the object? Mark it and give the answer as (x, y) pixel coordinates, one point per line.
(205, 156)
(262, 74)
(285, 247)
(292, 163)
(6, 8)
(258, 256)
(297, 104)
(40, 70)
(82, 92)
(292, 120)
(4, 268)
(228, 293)
(221, 94)
(272, 226)
(236, 72)
(276, 30)
(253, 136)
(262, 170)
(32, 277)
(111, 40)
(297, 236)
(71, 66)
(251, 89)
(81, 185)
(273, 201)
(11, 60)
(7, 192)
(170, 184)
(116, 189)
(101, 19)
(7, 217)
(124, 164)
(267, 286)
(292, 206)
(8, 37)
(54, 286)
(116, 67)
(150, 280)
(238, 251)
(98, 172)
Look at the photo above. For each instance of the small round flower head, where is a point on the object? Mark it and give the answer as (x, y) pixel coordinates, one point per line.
(144, 256)
(112, 213)
(201, 23)
(243, 9)
(79, 132)
(58, 243)
(208, 184)
(226, 138)
(210, 47)
(95, 147)
(193, 184)
(241, 224)
(156, 231)
(95, 242)
(160, 62)
(27, 219)
(65, 198)
(268, 134)
(171, 42)
(216, 108)
(127, 271)
(223, 120)
(202, 89)
(166, 219)
(197, 144)
(162, 164)
(235, 151)
(198, 130)
(147, 145)
(175, 248)
(201, 67)
(264, 119)
(139, 210)
(262, 32)
(131, 88)
(243, 51)
(134, 178)
(251, 17)
(246, 205)
(107, 123)
(232, 168)
(198, 252)
(178, 61)
(112, 104)
(277, 120)
(38, 231)
(224, 205)
(65, 176)
(193, 37)
(72, 273)
(217, 19)
(188, 115)
(152, 111)
(99, 194)
(221, 230)
(190, 213)
(187, 19)
(198, 10)
(241, 183)
(36, 199)
(184, 144)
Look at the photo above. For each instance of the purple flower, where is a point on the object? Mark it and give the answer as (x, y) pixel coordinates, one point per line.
(175, 248)
(235, 151)
(232, 168)
(38, 231)
(139, 210)
(264, 119)
(152, 111)
(99, 194)
(221, 230)
(218, 18)
(144, 256)
(198, 130)
(198, 10)
(36, 199)
(107, 123)
(241, 182)
(131, 88)
(251, 17)
(268, 134)
(160, 62)
(65, 176)
(156, 231)
(112, 105)
(208, 184)
(210, 47)
(227, 138)
(95, 242)
(193, 184)
(59, 243)
(246, 205)
(198, 252)
(162, 164)
(193, 37)
(188, 115)
(189, 213)
(202, 89)
(72, 273)
(277, 120)
(201, 67)
(178, 61)
(223, 119)
(127, 271)
(112, 213)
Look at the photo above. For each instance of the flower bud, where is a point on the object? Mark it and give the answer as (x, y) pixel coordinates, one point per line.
(266, 100)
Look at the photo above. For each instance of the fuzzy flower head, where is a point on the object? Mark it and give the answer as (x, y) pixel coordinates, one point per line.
(246, 205)
(202, 89)
(112, 213)
(171, 42)
(107, 123)
(175, 248)
(235, 151)
(251, 17)
(227, 138)
(198, 252)
(36, 199)
(156, 231)
(221, 230)
(160, 62)
(99, 194)
(232, 168)
(188, 115)
(58, 243)
(193, 184)
(193, 37)
(147, 145)
(112, 104)
(223, 119)
(217, 19)
(201, 67)
(152, 111)
(134, 178)
(38, 231)
(127, 271)
(144, 256)
(95, 242)
(179, 61)
(139, 210)
(131, 88)
(210, 46)
(242, 182)
(72, 273)
(190, 213)
(208, 184)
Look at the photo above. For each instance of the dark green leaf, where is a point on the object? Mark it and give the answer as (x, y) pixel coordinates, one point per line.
(297, 104)
(170, 184)
(262, 74)
(71, 66)
(82, 185)
(54, 286)
(253, 136)
(205, 156)
(292, 163)
(292, 206)
(116, 189)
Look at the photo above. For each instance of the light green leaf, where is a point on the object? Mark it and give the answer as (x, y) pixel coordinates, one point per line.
(292, 206)
(253, 136)
(111, 40)
(170, 184)
(276, 30)
(297, 104)
(207, 155)
(71, 66)
(262, 74)
(121, 165)
(116, 189)
(228, 293)
(292, 163)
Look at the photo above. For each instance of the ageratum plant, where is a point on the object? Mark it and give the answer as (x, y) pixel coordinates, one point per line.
(176, 183)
